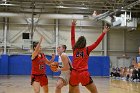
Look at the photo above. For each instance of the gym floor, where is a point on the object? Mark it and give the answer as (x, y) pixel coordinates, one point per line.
(21, 84)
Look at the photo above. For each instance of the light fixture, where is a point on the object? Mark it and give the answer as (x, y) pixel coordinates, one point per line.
(61, 6)
(7, 4)
(4, 4)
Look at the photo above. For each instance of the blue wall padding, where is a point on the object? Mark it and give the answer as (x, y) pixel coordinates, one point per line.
(21, 65)
(4, 65)
(99, 65)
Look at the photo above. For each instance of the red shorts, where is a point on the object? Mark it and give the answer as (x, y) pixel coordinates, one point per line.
(42, 79)
(82, 77)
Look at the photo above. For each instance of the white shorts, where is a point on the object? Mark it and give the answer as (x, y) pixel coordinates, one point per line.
(65, 75)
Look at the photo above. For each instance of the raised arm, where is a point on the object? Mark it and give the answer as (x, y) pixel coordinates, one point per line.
(73, 33)
(37, 48)
(95, 44)
(48, 62)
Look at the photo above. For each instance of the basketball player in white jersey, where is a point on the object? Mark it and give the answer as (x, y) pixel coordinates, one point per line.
(65, 66)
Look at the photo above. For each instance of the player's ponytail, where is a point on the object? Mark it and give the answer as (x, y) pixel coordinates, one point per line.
(81, 43)
(65, 47)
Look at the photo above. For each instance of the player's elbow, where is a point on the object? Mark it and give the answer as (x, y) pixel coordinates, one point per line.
(65, 68)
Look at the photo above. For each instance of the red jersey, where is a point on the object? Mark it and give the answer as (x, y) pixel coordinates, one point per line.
(80, 56)
(38, 65)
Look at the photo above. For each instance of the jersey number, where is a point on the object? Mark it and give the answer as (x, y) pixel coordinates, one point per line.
(80, 54)
(41, 66)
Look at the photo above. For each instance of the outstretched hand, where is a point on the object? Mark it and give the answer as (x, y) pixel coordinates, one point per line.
(53, 55)
(106, 29)
(74, 22)
(42, 37)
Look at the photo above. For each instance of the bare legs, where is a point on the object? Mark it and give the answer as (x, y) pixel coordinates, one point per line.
(74, 89)
(59, 85)
(36, 86)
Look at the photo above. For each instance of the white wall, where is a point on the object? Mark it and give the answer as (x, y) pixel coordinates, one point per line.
(119, 40)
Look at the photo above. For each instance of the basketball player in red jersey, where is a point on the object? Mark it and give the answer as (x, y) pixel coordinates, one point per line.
(38, 74)
(80, 73)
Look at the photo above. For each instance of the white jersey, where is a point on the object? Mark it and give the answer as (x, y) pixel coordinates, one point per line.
(60, 61)
(65, 75)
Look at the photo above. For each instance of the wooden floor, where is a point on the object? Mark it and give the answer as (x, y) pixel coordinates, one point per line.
(120, 86)
(21, 84)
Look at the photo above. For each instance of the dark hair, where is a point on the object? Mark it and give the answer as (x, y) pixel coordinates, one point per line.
(81, 43)
(35, 44)
(65, 47)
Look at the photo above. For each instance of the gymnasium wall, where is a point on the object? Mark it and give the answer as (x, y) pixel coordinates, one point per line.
(21, 65)
(119, 40)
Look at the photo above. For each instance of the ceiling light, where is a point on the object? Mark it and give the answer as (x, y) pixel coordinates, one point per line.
(5, 4)
(61, 6)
